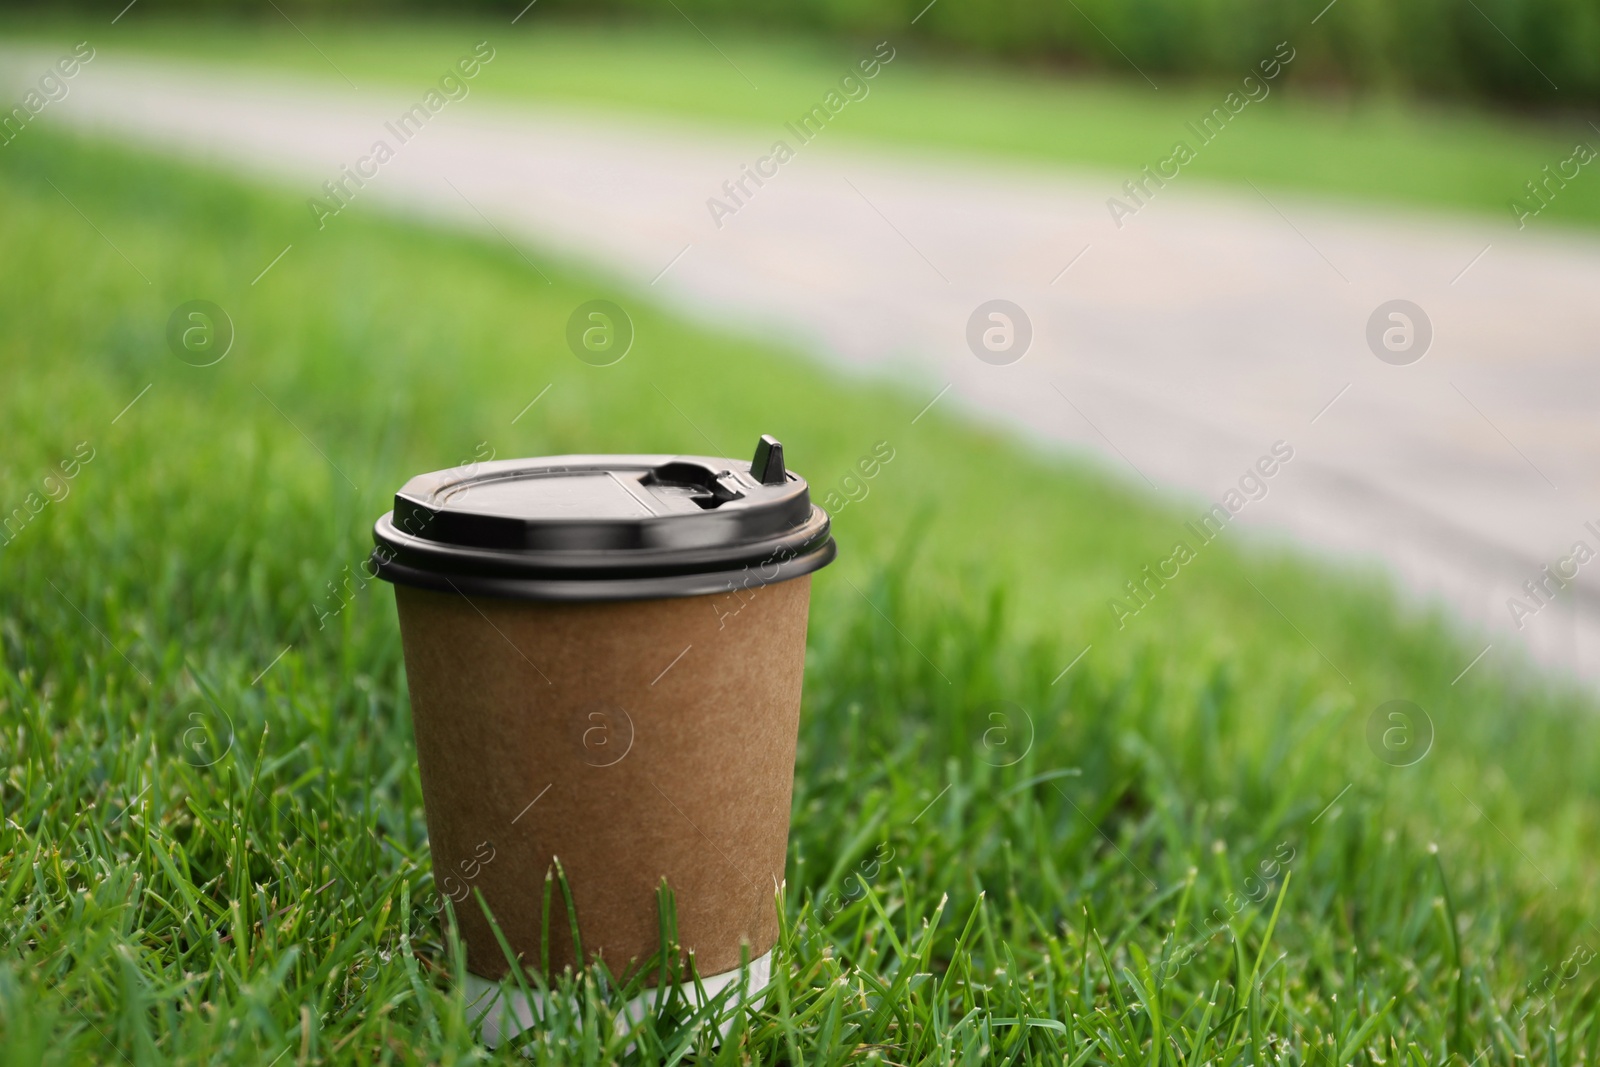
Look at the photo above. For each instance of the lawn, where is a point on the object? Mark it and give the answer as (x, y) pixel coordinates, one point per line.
(1303, 137)
(1177, 845)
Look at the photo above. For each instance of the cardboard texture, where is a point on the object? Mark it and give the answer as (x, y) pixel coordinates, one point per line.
(636, 740)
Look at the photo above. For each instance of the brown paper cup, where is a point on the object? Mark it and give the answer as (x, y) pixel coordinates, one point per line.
(636, 741)
(605, 656)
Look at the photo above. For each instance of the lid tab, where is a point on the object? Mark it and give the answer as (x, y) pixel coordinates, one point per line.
(768, 464)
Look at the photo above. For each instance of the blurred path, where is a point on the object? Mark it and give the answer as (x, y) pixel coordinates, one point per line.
(1178, 347)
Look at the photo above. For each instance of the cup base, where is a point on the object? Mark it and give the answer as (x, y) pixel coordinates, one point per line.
(505, 1012)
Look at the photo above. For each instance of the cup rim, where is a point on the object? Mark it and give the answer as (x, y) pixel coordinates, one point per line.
(404, 559)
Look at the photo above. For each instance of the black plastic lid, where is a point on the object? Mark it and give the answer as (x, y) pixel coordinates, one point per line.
(604, 527)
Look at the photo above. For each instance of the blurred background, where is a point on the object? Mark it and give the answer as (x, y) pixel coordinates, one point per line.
(1204, 213)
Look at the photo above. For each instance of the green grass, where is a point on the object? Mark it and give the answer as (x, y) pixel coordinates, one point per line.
(202, 865)
(1370, 148)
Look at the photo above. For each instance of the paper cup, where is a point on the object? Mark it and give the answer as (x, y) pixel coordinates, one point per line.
(604, 656)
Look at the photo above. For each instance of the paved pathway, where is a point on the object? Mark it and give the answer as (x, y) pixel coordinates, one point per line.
(1178, 348)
